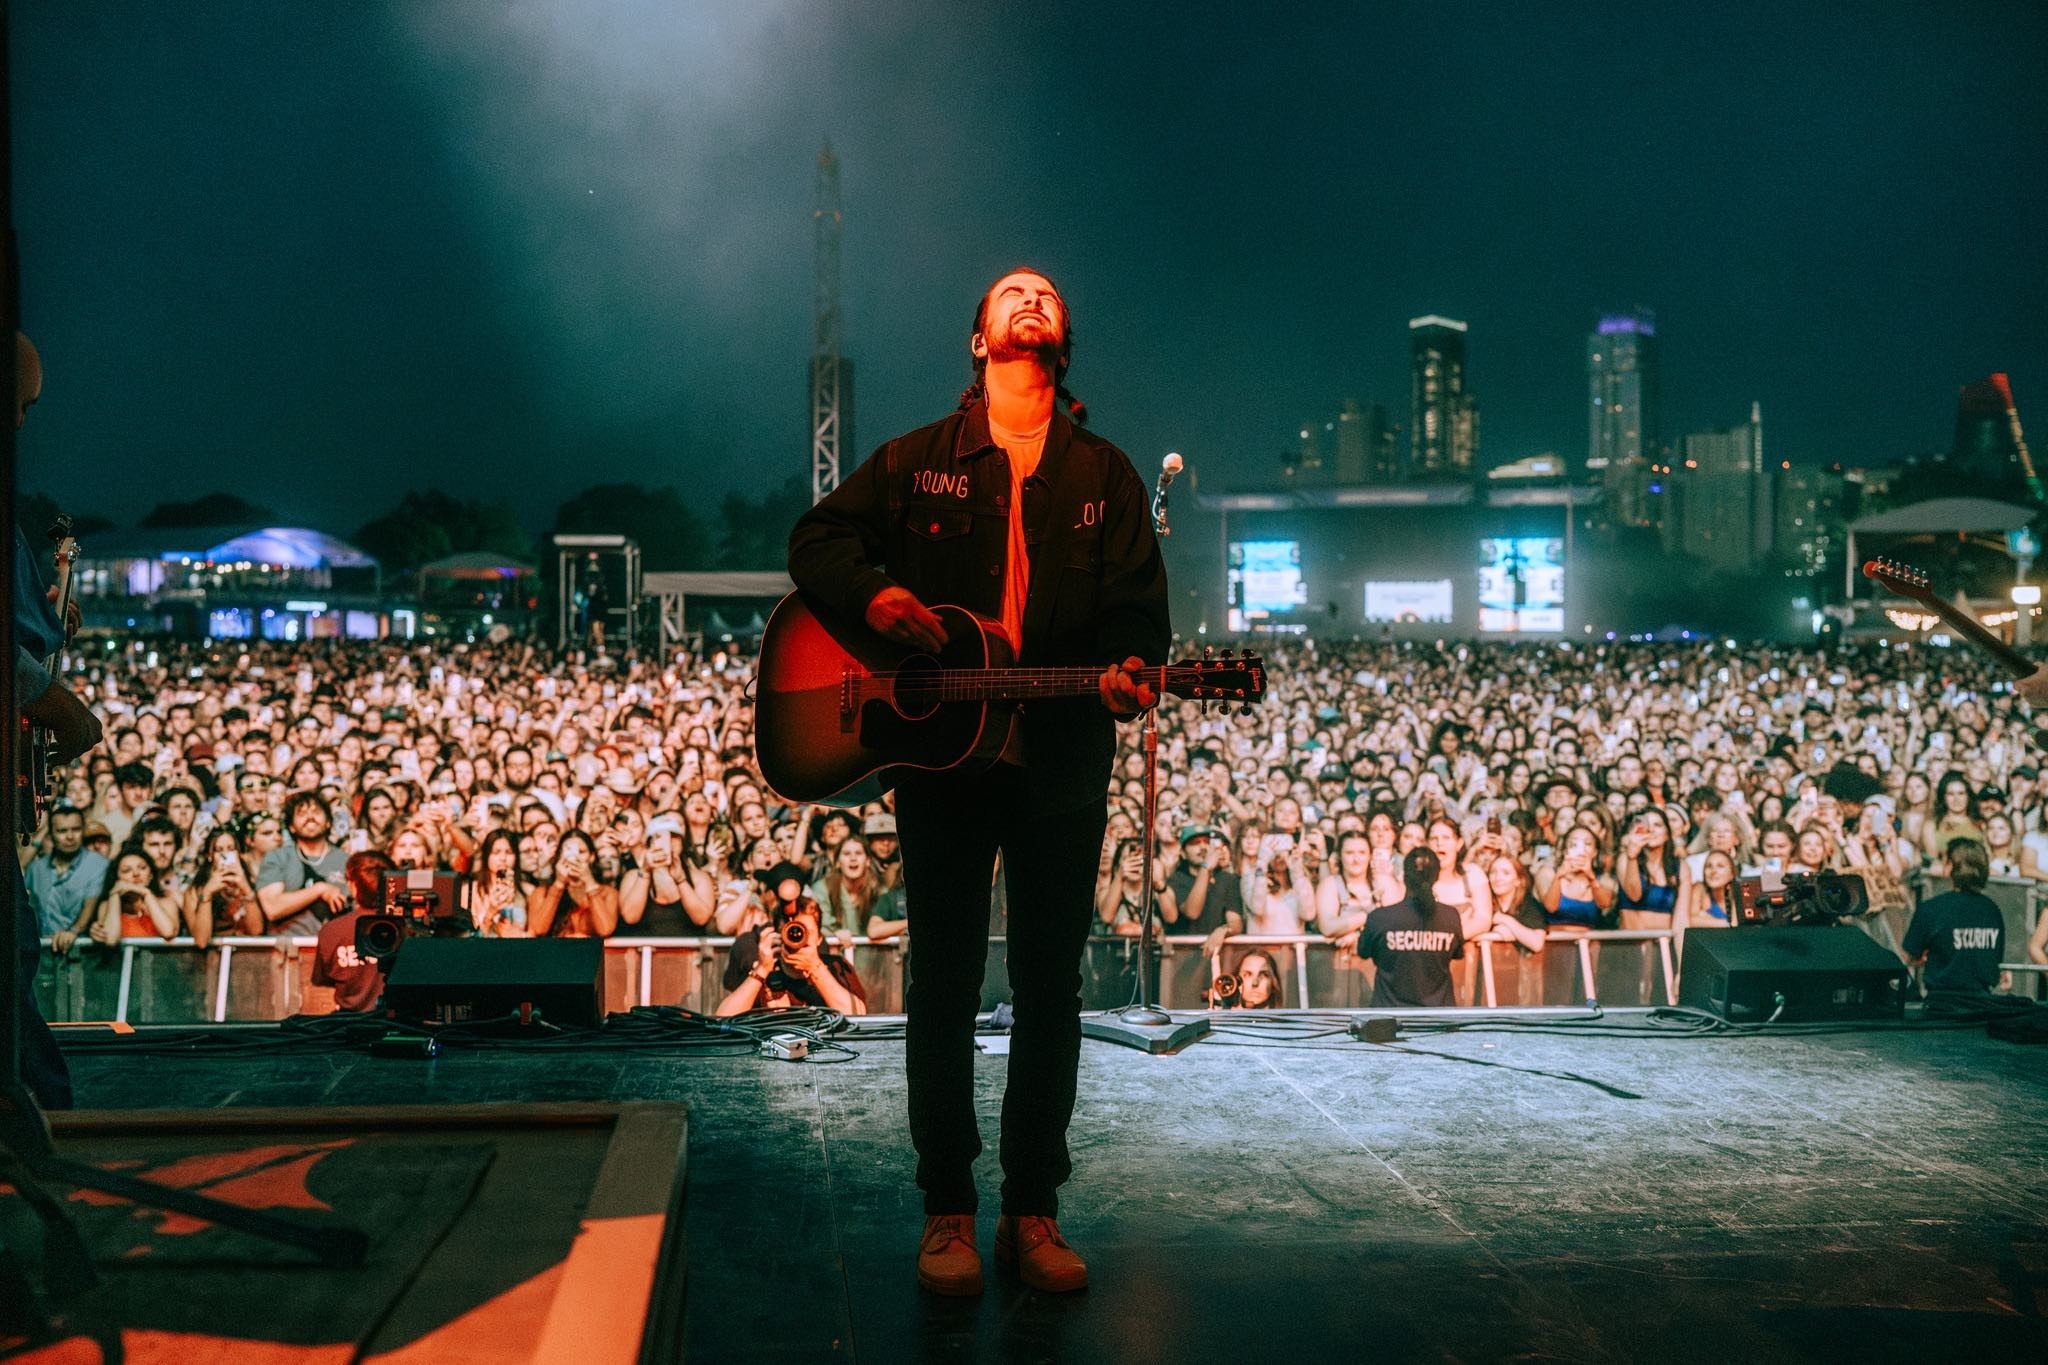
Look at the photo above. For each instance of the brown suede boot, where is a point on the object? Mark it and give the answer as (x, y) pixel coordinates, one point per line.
(1043, 1260)
(947, 1262)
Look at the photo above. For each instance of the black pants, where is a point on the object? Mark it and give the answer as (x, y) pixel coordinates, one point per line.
(952, 826)
(42, 1064)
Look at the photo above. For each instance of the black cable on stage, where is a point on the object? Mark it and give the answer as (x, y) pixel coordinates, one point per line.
(676, 1031)
(660, 1028)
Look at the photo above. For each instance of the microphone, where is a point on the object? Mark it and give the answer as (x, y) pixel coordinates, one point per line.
(1168, 468)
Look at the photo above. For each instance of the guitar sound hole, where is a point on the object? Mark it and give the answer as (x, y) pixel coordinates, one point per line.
(916, 691)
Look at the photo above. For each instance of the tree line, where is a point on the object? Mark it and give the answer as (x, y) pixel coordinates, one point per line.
(673, 532)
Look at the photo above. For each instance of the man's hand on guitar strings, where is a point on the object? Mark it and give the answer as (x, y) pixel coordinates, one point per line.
(1121, 691)
(895, 614)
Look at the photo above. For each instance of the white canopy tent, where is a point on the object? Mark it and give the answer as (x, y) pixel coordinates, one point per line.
(1937, 516)
(670, 590)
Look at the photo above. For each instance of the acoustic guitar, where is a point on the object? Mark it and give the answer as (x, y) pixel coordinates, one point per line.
(1912, 583)
(833, 707)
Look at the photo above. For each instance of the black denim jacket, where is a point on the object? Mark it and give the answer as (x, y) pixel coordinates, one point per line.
(929, 511)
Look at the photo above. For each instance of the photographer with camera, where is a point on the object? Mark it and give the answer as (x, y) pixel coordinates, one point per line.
(1255, 985)
(783, 964)
(358, 981)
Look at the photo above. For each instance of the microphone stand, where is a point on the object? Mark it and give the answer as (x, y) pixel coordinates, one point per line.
(1145, 1026)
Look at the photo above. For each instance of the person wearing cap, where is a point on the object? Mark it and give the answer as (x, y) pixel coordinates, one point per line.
(1206, 896)
(885, 850)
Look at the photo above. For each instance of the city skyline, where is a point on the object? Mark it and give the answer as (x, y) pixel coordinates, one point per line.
(324, 255)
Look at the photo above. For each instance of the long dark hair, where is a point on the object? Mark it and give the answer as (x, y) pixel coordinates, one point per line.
(1279, 1000)
(1670, 858)
(1419, 871)
(1076, 410)
(480, 865)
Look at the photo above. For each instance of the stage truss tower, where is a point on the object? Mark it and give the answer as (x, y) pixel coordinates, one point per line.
(828, 395)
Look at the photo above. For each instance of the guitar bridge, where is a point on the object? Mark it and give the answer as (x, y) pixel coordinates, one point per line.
(849, 705)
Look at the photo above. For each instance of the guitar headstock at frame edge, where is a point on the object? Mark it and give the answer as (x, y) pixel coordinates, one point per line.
(1902, 578)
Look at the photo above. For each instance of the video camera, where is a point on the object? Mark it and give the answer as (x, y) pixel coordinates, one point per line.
(1808, 898)
(1224, 992)
(418, 902)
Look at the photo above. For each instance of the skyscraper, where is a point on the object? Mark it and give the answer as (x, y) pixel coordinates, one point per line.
(1809, 527)
(1621, 371)
(1365, 444)
(1724, 512)
(1443, 426)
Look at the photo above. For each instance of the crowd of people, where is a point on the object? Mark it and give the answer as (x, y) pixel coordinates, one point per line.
(1554, 787)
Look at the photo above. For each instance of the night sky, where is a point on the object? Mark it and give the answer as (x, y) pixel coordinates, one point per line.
(319, 253)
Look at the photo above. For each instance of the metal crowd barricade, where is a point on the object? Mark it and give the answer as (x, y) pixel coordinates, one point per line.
(149, 980)
(1316, 961)
(157, 980)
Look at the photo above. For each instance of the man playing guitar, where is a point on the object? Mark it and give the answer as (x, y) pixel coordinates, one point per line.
(1009, 509)
(73, 728)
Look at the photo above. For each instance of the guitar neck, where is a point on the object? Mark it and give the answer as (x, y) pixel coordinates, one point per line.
(1968, 626)
(66, 553)
(1022, 684)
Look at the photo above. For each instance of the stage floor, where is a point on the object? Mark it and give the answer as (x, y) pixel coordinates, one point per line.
(1867, 1196)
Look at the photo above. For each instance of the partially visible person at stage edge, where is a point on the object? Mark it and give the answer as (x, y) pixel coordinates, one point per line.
(1959, 936)
(1010, 509)
(1255, 985)
(73, 729)
(765, 972)
(1413, 942)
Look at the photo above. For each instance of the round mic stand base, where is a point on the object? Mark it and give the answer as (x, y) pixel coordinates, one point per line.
(1144, 1025)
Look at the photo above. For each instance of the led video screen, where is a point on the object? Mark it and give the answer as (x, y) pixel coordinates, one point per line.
(1409, 600)
(1521, 585)
(1265, 577)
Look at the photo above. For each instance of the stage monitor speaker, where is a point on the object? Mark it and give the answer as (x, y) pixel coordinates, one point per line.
(464, 980)
(1792, 974)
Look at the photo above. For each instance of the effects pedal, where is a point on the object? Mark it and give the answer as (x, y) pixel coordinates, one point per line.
(784, 1047)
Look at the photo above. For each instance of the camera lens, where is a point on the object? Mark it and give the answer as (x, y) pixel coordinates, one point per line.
(380, 937)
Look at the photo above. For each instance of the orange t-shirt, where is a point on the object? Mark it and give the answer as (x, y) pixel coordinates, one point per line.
(1024, 449)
